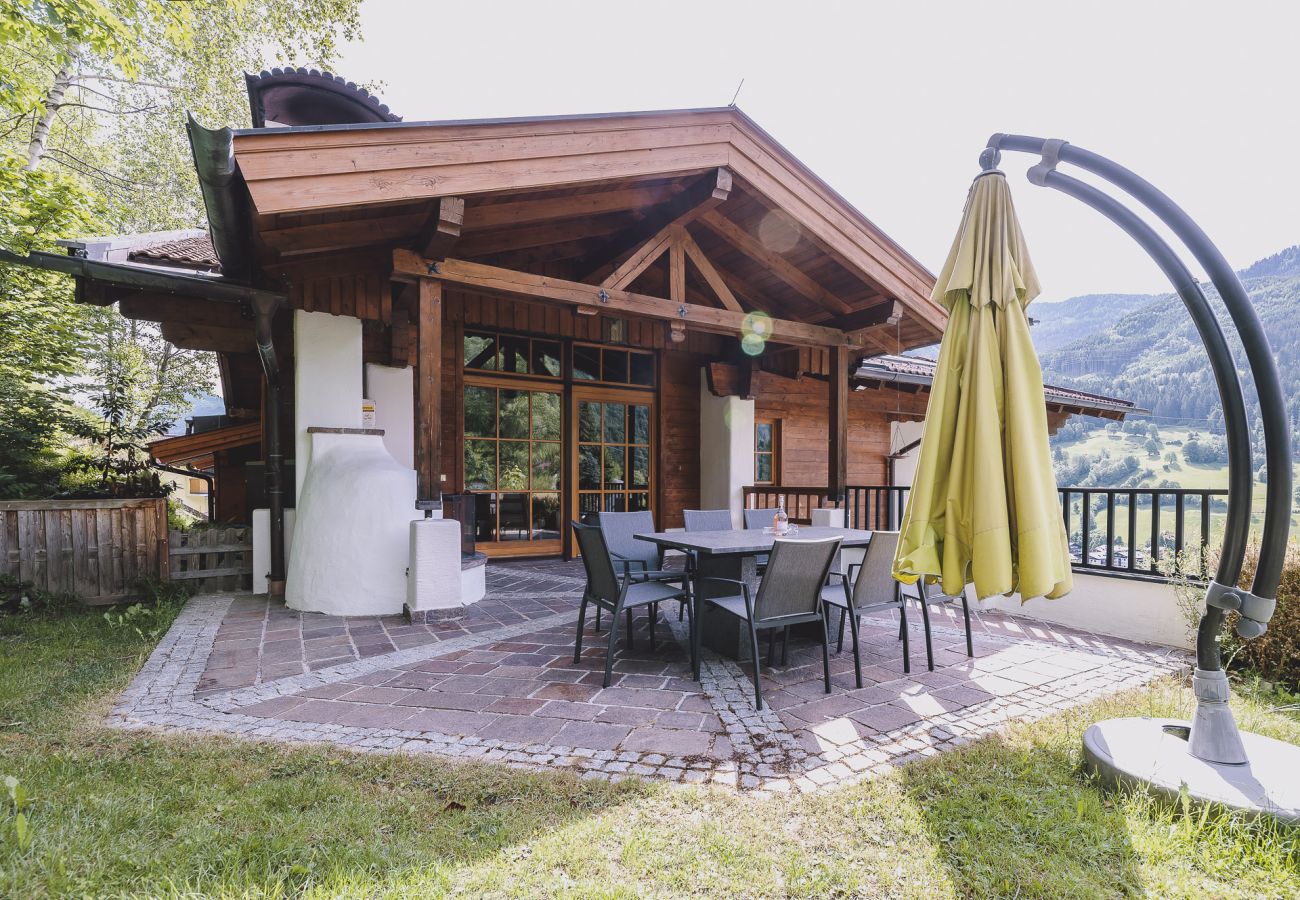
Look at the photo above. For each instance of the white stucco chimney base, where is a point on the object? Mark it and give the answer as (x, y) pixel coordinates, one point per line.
(350, 548)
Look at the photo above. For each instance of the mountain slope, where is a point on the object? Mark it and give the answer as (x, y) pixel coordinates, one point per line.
(1153, 356)
(1061, 323)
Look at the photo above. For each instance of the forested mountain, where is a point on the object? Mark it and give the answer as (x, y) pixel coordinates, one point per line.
(1151, 354)
(1059, 324)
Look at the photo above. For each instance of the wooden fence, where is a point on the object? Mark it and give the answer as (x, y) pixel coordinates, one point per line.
(97, 549)
(213, 559)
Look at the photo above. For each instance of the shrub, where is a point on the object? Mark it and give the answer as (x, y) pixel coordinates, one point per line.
(1275, 654)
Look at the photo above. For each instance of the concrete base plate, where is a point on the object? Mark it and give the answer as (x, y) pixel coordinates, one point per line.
(1154, 753)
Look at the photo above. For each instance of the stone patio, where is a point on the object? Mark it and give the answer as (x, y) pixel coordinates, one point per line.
(500, 684)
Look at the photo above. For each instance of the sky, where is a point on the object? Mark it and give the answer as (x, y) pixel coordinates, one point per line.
(891, 103)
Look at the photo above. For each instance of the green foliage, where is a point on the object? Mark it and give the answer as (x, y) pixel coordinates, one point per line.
(44, 331)
(1274, 655)
(93, 95)
(22, 597)
(15, 828)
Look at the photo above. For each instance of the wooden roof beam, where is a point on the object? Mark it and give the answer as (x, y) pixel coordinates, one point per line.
(702, 196)
(441, 232)
(551, 209)
(408, 266)
(709, 273)
(504, 241)
(876, 325)
(781, 267)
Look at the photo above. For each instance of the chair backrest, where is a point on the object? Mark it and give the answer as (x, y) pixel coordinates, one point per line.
(875, 580)
(759, 518)
(619, 529)
(708, 519)
(602, 582)
(795, 575)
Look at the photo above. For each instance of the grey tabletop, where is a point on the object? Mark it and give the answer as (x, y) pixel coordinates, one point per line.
(744, 542)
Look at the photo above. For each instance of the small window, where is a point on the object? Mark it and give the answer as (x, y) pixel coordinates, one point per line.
(481, 351)
(586, 363)
(511, 353)
(198, 486)
(767, 451)
(613, 331)
(613, 365)
(643, 369)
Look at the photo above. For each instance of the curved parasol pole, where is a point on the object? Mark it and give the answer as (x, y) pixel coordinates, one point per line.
(1214, 734)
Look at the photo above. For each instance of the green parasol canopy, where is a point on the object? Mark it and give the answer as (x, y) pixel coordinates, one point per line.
(983, 506)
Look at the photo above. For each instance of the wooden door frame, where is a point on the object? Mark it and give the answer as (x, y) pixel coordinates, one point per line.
(528, 384)
(606, 393)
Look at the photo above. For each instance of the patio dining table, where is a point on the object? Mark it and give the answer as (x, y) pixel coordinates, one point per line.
(734, 554)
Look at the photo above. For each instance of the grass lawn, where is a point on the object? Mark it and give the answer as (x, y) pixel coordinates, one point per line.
(118, 814)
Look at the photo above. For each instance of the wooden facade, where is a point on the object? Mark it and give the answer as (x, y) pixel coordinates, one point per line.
(687, 247)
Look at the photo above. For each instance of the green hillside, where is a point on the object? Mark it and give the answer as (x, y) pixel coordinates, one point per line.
(1153, 356)
(1144, 349)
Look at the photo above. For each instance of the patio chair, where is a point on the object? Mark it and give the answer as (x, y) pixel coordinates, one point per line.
(708, 519)
(927, 600)
(634, 559)
(871, 589)
(618, 595)
(790, 594)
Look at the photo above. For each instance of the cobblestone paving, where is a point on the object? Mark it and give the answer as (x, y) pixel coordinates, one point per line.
(500, 684)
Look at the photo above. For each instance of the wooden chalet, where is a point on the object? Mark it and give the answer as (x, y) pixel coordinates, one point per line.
(569, 295)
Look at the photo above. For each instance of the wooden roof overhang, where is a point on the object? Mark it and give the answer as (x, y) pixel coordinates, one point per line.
(697, 217)
(196, 447)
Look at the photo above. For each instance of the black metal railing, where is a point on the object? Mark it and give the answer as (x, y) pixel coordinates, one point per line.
(461, 508)
(1130, 531)
(1142, 531)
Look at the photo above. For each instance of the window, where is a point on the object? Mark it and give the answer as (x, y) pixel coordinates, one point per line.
(767, 451)
(613, 365)
(198, 486)
(487, 352)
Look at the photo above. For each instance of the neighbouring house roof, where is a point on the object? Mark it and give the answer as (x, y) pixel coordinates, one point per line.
(918, 371)
(193, 251)
(189, 447)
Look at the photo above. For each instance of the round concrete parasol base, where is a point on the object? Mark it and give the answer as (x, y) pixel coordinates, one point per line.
(1154, 753)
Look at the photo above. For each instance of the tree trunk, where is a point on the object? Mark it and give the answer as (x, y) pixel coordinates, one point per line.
(53, 101)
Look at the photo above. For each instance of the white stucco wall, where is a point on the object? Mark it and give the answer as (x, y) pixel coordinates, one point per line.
(1120, 607)
(392, 391)
(327, 380)
(262, 545)
(351, 547)
(726, 450)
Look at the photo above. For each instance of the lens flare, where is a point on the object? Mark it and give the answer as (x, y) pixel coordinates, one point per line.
(752, 344)
(757, 323)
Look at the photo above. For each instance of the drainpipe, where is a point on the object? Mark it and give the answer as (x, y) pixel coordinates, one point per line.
(264, 308)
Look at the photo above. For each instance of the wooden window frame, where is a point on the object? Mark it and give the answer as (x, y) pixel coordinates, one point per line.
(774, 453)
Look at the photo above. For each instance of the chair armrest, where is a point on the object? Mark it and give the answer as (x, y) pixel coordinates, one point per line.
(744, 588)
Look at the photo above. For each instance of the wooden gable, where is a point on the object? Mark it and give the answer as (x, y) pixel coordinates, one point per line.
(633, 202)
